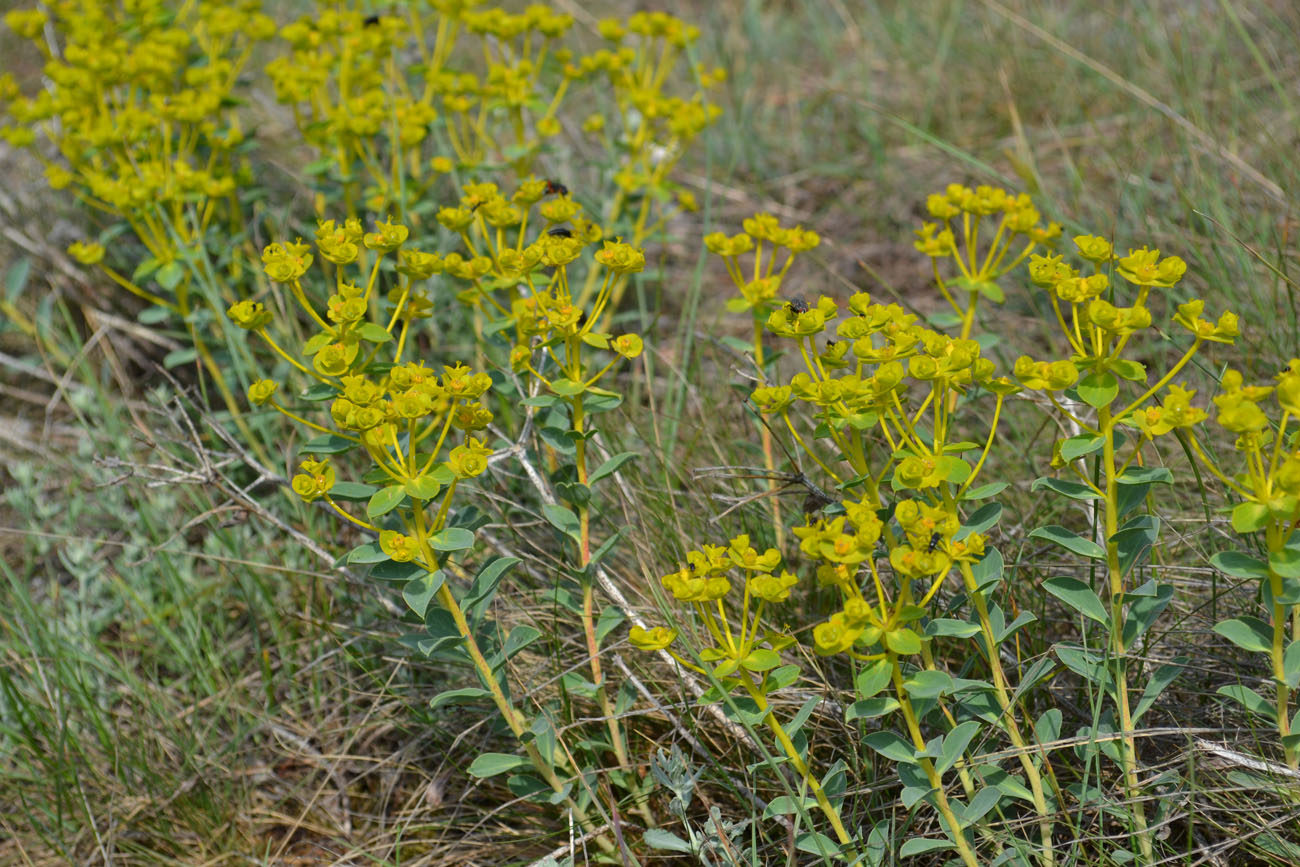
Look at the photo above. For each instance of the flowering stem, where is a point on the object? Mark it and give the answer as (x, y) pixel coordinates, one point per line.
(792, 752)
(955, 828)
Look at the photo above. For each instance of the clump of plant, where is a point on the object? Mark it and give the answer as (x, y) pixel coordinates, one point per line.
(416, 436)
(1119, 408)
(878, 410)
(1268, 483)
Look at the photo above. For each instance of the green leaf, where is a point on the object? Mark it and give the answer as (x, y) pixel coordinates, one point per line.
(1250, 700)
(1239, 565)
(419, 592)
(1248, 633)
(452, 539)
(391, 570)
(423, 488)
(784, 805)
(1291, 664)
(367, 553)
(169, 276)
(541, 401)
(372, 332)
(1135, 539)
(327, 444)
(385, 500)
(817, 843)
(352, 491)
(486, 581)
(871, 708)
(1098, 389)
(1249, 517)
(985, 491)
(1133, 371)
(1159, 680)
(1078, 446)
(988, 570)
(1085, 663)
(567, 387)
(491, 764)
(1078, 595)
(457, 696)
(520, 637)
(320, 391)
(1069, 540)
(667, 841)
(874, 678)
(178, 357)
(949, 628)
(609, 620)
(1048, 727)
(903, 641)
(1145, 476)
(955, 744)
(1285, 563)
(563, 520)
(782, 677)
(980, 520)
(1065, 487)
(921, 845)
(891, 745)
(761, 659)
(610, 466)
(16, 281)
(1145, 609)
(979, 806)
(928, 683)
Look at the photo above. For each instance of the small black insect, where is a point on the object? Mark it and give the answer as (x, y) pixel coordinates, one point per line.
(560, 232)
(370, 21)
(797, 305)
(556, 188)
(934, 543)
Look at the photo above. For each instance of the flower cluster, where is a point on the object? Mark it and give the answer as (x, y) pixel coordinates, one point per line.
(962, 213)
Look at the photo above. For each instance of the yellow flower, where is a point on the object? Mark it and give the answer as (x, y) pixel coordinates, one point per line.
(1141, 268)
(398, 546)
(470, 459)
(315, 480)
(262, 391)
(86, 254)
(249, 315)
(621, 258)
(651, 639)
(627, 345)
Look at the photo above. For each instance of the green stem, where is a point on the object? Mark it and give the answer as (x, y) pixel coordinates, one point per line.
(796, 760)
(957, 832)
(1128, 744)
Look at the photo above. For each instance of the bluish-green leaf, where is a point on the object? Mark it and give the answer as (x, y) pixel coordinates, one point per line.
(419, 592)
(873, 678)
(891, 745)
(928, 683)
(385, 500)
(452, 539)
(1239, 565)
(871, 708)
(1250, 700)
(920, 845)
(1098, 389)
(980, 520)
(610, 466)
(328, 444)
(458, 696)
(665, 841)
(1078, 596)
(1156, 684)
(1065, 487)
(491, 764)
(1145, 476)
(1069, 540)
(1248, 633)
(955, 744)
(1285, 562)
(1078, 446)
(563, 520)
(983, 492)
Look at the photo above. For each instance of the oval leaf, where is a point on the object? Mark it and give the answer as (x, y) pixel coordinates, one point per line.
(1071, 541)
